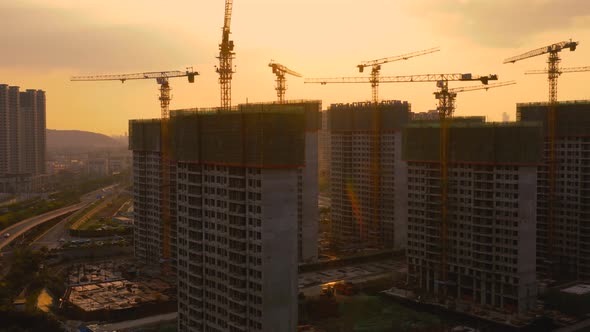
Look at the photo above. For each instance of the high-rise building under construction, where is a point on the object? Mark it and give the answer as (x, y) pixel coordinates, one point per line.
(567, 255)
(363, 212)
(244, 192)
(486, 255)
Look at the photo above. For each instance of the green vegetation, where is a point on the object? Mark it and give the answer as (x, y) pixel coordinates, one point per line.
(13, 321)
(573, 304)
(28, 209)
(368, 313)
(70, 195)
(26, 272)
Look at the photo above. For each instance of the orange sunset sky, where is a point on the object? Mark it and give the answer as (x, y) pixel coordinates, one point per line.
(44, 42)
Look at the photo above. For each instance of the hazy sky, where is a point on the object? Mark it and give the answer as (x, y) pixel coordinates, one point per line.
(44, 42)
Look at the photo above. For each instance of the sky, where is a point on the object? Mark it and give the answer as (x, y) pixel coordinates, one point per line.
(45, 42)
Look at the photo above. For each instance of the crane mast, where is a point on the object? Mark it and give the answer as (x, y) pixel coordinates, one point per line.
(280, 71)
(553, 73)
(162, 78)
(375, 150)
(226, 56)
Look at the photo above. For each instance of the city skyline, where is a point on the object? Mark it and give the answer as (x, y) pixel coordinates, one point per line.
(67, 38)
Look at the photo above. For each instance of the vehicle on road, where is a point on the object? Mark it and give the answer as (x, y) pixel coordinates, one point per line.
(62, 240)
(6, 235)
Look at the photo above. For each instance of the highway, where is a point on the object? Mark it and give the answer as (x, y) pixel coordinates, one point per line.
(21, 227)
(51, 237)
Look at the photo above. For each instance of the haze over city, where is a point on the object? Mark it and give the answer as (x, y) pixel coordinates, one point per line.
(46, 42)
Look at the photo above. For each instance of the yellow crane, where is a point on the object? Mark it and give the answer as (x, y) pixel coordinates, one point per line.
(553, 73)
(162, 78)
(226, 56)
(280, 71)
(376, 67)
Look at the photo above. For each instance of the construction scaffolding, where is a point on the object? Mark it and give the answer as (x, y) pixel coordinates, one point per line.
(394, 114)
(571, 119)
(495, 143)
(256, 135)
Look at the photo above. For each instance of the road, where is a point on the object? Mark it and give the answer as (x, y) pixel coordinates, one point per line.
(21, 227)
(51, 238)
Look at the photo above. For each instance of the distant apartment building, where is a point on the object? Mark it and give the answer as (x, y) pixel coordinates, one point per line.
(5, 139)
(245, 201)
(22, 136)
(364, 153)
(492, 199)
(32, 132)
(568, 256)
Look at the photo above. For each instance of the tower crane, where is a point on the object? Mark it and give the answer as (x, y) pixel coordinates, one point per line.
(162, 79)
(446, 98)
(376, 67)
(226, 56)
(280, 71)
(553, 72)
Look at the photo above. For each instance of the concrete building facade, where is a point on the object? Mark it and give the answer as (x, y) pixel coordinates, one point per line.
(568, 257)
(357, 219)
(244, 204)
(492, 199)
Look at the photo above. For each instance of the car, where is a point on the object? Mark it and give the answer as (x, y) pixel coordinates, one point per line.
(6, 235)
(62, 240)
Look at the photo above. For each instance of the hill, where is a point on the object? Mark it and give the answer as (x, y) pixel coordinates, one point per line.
(78, 140)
